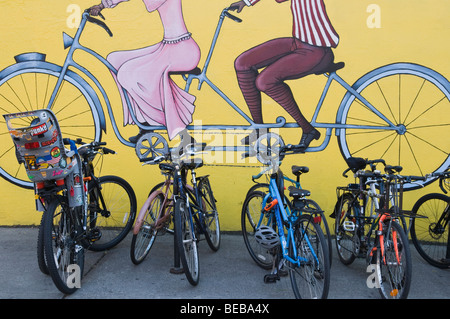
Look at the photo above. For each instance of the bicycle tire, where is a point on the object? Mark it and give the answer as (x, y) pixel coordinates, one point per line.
(143, 240)
(210, 217)
(170, 227)
(186, 242)
(60, 246)
(42, 263)
(312, 279)
(116, 219)
(27, 86)
(432, 242)
(345, 238)
(311, 204)
(421, 145)
(251, 216)
(394, 277)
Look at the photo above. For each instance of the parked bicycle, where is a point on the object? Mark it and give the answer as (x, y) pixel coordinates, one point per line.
(308, 205)
(430, 234)
(80, 211)
(367, 225)
(399, 104)
(192, 208)
(284, 241)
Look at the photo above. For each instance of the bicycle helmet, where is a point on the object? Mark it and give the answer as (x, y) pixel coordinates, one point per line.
(267, 237)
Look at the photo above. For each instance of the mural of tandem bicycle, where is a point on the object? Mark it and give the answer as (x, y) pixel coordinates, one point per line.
(393, 113)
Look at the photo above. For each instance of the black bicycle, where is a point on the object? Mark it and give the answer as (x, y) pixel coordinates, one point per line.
(368, 215)
(80, 210)
(430, 235)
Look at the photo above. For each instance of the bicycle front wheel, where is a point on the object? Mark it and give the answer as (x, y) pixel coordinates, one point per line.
(413, 98)
(210, 216)
(61, 247)
(143, 241)
(252, 217)
(430, 229)
(310, 279)
(25, 87)
(111, 213)
(394, 265)
(347, 241)
(186, 242)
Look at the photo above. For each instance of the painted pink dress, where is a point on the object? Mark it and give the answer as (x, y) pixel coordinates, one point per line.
(144, 73)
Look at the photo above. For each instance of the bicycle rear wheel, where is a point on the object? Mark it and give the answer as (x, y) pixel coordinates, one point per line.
(26, 87)
(61, 247)
(210, 216)
(413, 98)
(394, 267)
(42, 263)
(430, 235)
(311, 279)
(143, 241)
(252, 217)
(186, 242)
(347, 242)
(320, 218)
(111, 212)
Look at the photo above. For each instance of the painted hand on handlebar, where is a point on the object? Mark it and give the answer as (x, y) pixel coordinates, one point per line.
(95, 10)
(238, 6)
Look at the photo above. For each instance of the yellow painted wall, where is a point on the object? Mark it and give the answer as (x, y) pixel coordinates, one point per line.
(409, 31)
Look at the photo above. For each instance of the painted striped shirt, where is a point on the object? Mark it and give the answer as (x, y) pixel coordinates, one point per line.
(310, 22)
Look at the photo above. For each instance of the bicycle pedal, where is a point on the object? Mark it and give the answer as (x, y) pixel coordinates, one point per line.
(271, 278)
(349, 225)
(95, 234)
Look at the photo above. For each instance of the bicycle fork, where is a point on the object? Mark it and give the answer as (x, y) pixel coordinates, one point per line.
(381, 240)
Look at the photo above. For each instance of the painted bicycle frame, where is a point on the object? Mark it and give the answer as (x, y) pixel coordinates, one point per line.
(74, 44)
(74, 72)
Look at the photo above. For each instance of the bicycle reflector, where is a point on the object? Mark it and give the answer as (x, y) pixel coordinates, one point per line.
(32, 145)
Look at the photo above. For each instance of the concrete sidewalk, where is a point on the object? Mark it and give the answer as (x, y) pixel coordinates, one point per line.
(229, 273)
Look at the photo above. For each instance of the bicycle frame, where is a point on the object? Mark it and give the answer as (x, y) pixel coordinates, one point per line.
(74, 45)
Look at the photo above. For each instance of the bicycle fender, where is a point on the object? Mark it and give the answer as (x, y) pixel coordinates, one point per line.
(36, 61)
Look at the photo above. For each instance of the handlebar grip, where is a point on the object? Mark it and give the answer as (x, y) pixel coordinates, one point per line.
(97, 21)
(232, 17)
(418, 178)
(108, 151)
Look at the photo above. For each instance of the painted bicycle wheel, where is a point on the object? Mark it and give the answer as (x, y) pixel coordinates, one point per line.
(414, 99)
(28, 85)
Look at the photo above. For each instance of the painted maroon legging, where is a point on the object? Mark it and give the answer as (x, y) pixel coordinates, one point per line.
(282, 59)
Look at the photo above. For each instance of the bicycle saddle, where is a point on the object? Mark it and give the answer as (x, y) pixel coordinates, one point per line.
(333, 67)
(298, 170)
(193, 163)
(166, 167)
(356, 163)
(298, 192)
(195, 71)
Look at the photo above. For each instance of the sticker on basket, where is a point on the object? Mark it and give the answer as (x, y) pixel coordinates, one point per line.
(56, 173)
(63, 163)
(31, 162)
(40, 129)
(52, 140)
(76, 180)
(55, 152)
(46, 161)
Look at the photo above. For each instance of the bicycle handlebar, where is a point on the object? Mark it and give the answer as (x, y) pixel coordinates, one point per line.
(88, 17)
(95, 146)
(232, 17)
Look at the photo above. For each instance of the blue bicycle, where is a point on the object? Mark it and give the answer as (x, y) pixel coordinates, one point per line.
(283, 238)
(393, 112)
